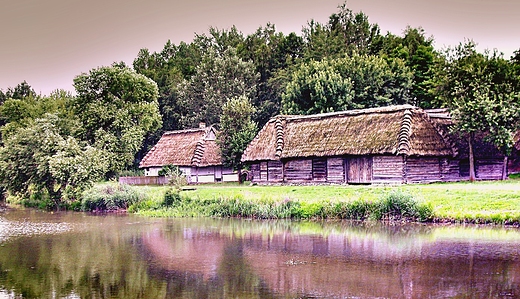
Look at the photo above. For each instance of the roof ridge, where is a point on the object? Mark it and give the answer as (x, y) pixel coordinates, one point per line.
(192, 130)
(198, 153)
(385, 109)
(403, 146)
(279, 127)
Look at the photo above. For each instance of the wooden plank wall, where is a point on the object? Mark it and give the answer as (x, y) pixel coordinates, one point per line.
(336, 170)
(274, 171)
(263, 171)
(298, 170)
(489, 169)
(319, 169)
(359, 169)
(422, 170)
(388, 169)
(450, 170)
(255, 171)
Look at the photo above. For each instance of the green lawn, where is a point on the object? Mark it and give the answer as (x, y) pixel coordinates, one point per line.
(497, 202)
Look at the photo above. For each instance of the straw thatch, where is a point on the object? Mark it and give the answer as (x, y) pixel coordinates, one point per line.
(194, 147)
(405, 130)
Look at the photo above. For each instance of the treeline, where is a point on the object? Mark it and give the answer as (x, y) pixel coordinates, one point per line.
(55, 146)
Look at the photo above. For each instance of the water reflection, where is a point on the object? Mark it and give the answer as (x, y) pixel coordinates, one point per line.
(69, 255)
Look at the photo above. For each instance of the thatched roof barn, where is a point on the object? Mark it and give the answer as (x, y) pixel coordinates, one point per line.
(195, 151)
(389, 144)
(193, 147)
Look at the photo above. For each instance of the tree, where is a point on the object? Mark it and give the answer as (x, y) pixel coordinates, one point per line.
(317, 87)
(270, 51)
(15, 113)
(217, 78)
(236, 130)
(39, 161)
(351, 82)
(117, 107)
(346, 32)
(483, 94)
(417, 51)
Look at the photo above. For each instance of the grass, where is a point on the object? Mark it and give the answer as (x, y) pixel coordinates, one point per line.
(479, 202)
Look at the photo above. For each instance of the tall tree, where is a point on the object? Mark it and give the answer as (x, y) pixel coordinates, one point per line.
(217, 78)
(270, 51)
(237, 129)
(358, 81)
(482, 92)
(39, 161)
(117, 108)
(346, 32)
(417, 51)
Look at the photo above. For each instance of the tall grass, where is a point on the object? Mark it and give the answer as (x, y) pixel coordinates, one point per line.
(393, 206)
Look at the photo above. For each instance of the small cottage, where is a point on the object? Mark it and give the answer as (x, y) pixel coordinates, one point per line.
(397, 144)
(194, 151)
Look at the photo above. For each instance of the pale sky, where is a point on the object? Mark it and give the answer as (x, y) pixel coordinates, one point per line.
(49, 42)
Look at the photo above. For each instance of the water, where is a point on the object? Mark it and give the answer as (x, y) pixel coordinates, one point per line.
(75, 255)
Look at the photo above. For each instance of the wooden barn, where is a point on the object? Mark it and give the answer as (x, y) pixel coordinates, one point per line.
(194, 151)
(398, 144)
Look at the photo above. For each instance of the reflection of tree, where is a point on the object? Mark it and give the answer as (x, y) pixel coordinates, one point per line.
(179, 266)
(100, 264)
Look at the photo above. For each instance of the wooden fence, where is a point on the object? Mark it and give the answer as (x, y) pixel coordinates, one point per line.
(143, 180)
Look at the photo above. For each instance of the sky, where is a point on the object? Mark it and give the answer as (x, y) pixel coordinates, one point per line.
(49, 42)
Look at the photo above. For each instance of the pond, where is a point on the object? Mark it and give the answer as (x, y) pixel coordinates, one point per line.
(76, 255)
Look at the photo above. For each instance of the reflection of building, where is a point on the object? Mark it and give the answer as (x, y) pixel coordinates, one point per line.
(194, 151)
(342, 265)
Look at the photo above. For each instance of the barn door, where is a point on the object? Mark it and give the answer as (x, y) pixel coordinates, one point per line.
(359, 170)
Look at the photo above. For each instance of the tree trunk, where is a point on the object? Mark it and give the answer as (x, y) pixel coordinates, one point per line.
(471, 159)
(240, 180)
(504, 169)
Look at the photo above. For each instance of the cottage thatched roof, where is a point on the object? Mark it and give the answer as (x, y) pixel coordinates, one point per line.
(194, 147)
(388, 130)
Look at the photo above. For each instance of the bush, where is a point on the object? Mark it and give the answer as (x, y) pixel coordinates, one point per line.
(110, 197)
(172, 197)
(397, 205)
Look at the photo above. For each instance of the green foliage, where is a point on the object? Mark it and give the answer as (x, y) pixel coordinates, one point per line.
(37, 159)
(110, 197)
(483, 94)
(176, 177)
(398, 205)
(219, 77)
(317, 87)
(356, 81)
(117, 108)
(172, 197)
(236, 130)
(346, 32)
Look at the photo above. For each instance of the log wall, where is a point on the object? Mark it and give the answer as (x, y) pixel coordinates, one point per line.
(422, 170)
(336, 170)
(319, 169)
(489, 169)
(274, 171)
(298, 170)
(387, 169)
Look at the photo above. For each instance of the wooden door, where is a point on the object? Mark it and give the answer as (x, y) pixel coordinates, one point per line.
(359, 170)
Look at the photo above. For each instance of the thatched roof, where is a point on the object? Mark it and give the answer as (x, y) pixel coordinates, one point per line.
(392, 130)
(194, 147)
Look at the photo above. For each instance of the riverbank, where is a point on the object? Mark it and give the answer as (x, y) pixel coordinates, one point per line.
(462, 202)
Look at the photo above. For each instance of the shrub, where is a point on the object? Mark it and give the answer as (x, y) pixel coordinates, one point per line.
(397, 205)
(172, 197)
(109, 198)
